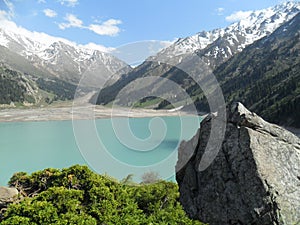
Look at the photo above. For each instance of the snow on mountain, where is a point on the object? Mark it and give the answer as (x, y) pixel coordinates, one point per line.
(225, 42)
(62, 58)
(213, 47)
(31, 42)
(69, 61)
(263, 22)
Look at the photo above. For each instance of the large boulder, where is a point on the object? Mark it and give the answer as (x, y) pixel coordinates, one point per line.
(254, 179)
(7, 195)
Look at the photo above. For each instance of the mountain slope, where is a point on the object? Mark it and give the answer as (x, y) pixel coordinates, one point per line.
(19, 63)
(220, 44)
(53, 88)
(19, 89)
(16, 88)
(266, 76)
(57, 57)
(214, 47)
(243, 33)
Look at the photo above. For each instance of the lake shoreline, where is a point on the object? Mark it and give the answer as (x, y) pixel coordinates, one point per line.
(90, 112)
(87, 112)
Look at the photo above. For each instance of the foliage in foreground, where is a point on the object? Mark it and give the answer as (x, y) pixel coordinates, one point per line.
(78, 196)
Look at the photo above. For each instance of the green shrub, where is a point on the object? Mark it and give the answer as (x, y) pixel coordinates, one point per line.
(78, 196)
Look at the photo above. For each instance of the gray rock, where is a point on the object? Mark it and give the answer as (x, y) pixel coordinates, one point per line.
(7, 195)
(255, 178)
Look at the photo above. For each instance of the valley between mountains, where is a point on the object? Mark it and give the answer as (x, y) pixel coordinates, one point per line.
(255, 61)
(225, 150)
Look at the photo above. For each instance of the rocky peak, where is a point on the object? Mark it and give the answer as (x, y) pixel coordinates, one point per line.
(58, 57)
(255, 178)
(220, 44)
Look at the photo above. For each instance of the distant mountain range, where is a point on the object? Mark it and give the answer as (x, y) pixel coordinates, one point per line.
(251, 59)
(54, 65)
(255, 60)
(220, 44)
(57, 57)
(265, 76)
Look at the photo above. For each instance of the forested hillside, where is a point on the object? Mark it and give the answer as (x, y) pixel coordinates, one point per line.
(20, 89)
(266, 76)
(61, 90)
(15, 88)
(213, 47)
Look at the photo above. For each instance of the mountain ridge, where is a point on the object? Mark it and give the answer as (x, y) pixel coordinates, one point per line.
(265, 76)
(239, 34)
(205, 44)
(59, 57)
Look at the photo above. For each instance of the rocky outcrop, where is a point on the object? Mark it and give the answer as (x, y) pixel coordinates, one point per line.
(7, 195)
(254, 179)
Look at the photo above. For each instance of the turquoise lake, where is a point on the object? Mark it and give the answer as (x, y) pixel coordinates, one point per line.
(105, 145)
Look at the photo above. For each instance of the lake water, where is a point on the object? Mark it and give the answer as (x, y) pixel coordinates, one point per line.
(105, 145)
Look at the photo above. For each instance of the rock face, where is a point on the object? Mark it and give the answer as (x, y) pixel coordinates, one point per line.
(7, 195)
(255, 178)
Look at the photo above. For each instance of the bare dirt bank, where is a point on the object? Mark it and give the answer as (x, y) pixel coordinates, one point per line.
(78, 113)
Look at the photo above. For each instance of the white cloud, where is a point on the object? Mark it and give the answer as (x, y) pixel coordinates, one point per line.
(11, 8)
(39, 37)
(34, 13)
(166, 44)
(220, 11)
(43, 38)
(41, 1)
(237, 16)
(101, 48)
(50, 13)
(72, 21)
(108, 27)
(3, 15)
(156, 46)
(135, 53)
(70, 3)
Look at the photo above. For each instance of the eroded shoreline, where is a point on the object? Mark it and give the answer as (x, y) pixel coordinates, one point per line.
(79, 113)
(88, 112)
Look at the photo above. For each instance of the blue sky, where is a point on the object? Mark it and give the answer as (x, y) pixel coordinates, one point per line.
(117, 22)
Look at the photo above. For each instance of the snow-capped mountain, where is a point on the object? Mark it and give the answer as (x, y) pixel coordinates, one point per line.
(220, 44)
(60, 57)
(214, 47)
